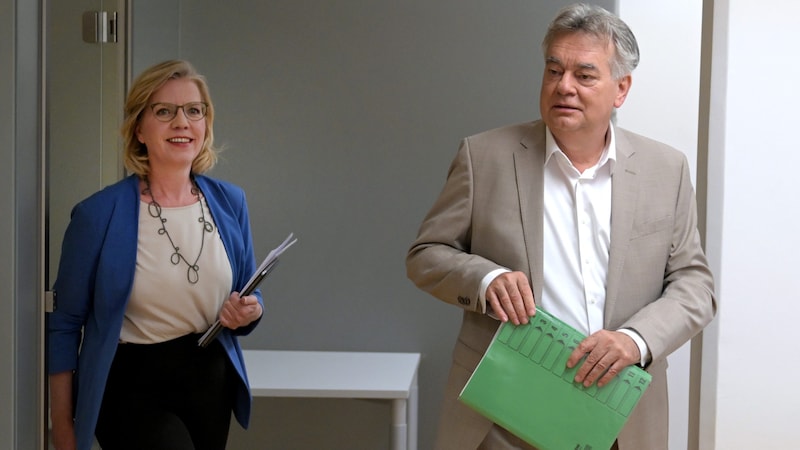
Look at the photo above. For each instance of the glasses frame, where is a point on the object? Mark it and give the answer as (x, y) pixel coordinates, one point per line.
(173, 109)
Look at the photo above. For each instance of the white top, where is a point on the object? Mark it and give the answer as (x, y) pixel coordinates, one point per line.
(280, 373)
(164, 305)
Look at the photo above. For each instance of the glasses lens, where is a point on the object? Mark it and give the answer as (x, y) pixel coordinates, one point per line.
(167, 111)
(194, 111)
(164, 111)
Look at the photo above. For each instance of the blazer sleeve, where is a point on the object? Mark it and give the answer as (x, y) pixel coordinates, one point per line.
(248, 263)
(440, 261)
(244, 262)
(687, 302)
(74, 287)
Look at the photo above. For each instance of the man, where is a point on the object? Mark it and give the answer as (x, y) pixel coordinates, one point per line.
(572, 214)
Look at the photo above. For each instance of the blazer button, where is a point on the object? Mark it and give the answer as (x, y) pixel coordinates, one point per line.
(464, 300)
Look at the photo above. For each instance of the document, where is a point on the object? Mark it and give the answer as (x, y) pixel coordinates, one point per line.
(258, 276)
(523, 384)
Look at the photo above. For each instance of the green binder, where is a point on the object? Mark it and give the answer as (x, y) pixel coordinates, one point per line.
(523, 384)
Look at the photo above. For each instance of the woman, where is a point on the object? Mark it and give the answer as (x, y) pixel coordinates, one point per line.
(147, 265)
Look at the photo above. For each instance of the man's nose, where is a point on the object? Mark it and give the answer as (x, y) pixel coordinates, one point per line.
(566, 84)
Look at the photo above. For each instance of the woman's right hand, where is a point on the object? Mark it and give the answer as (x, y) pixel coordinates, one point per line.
(64, 437)
(63, 431)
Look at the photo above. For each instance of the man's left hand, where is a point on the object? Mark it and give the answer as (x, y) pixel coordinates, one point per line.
(607, 353)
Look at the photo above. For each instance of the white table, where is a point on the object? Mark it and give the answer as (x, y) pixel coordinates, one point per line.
(360, 375)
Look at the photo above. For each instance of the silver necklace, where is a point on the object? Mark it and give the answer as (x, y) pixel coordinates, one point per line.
(192, 269)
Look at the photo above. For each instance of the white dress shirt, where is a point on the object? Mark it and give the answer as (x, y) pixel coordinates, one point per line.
(577, 238)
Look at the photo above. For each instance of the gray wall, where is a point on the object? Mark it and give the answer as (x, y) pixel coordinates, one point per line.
(340, 120)
(7, 91)
(20, 243)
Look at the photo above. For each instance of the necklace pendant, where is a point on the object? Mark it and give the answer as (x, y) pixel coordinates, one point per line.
(192, 269)
(193, 274)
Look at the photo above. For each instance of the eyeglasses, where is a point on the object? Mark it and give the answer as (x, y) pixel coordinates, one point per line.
(167, 111)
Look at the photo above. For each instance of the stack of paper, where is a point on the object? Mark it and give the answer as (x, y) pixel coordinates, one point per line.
(523, 384)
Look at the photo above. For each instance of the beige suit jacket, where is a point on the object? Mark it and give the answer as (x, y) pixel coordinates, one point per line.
(489, 216)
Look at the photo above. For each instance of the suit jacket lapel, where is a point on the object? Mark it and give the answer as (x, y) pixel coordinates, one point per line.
(624, 194)
(529, 170)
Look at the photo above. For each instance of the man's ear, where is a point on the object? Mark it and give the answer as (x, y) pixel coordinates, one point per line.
(623, 87)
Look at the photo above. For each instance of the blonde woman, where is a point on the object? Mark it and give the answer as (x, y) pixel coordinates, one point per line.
(147, 265)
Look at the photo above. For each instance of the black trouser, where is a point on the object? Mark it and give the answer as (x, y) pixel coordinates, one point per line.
(172, 395)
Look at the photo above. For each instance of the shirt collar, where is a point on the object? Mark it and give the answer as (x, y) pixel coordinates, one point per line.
(609, 152)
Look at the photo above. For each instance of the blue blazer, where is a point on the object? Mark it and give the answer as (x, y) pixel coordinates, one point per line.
(94, 282)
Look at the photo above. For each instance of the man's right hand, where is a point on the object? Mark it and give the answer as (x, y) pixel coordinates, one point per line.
(510, 297)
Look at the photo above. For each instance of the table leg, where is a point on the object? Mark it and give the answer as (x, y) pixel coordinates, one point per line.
(412, 414)
(399, 424)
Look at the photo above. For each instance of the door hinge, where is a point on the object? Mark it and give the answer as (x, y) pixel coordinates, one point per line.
(100, 27)
(49, 301)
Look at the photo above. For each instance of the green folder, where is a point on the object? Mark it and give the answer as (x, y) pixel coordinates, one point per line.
(523, 384)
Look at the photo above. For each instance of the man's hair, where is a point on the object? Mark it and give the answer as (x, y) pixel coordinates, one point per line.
(596, 21)
(150, 80)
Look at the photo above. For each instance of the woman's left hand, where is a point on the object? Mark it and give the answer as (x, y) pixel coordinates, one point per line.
(239, 311)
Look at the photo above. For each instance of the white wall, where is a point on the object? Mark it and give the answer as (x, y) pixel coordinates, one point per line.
(754, 151)
(663, 104)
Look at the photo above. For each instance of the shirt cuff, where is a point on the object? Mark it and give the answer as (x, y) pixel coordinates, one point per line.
(644, 351)
(485, 282)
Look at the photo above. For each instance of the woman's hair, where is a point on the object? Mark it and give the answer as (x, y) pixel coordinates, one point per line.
(135, 157)
(598, 22)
